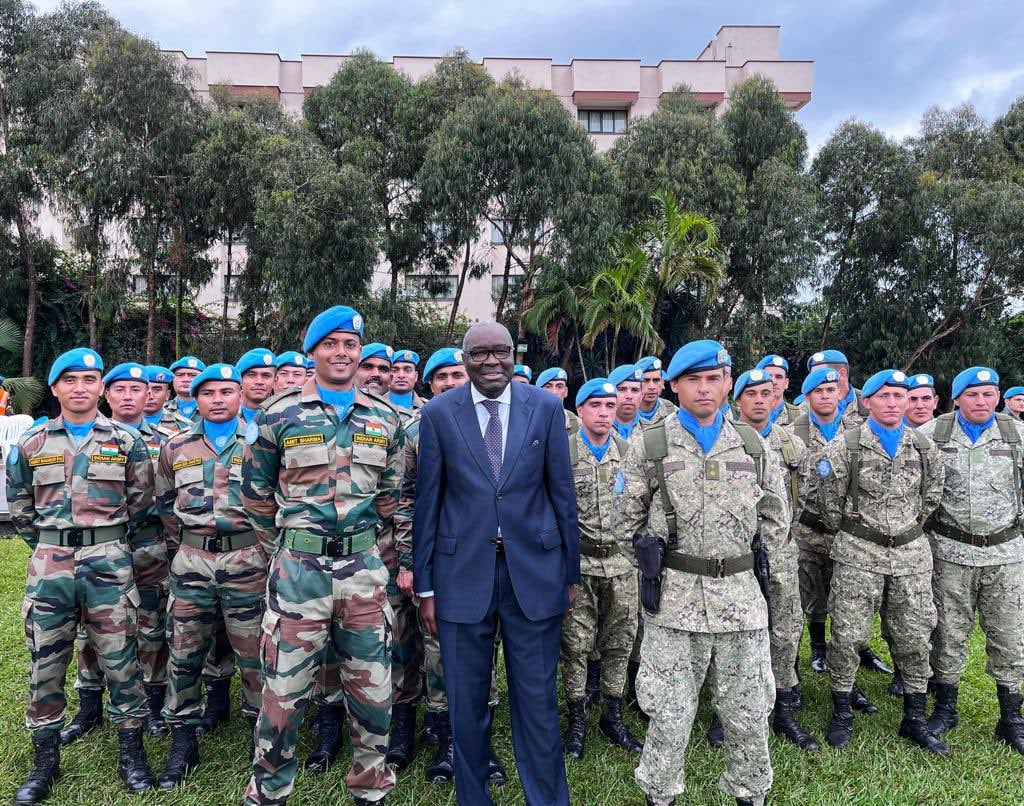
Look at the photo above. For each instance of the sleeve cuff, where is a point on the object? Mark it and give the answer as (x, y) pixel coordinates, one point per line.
(425, 594)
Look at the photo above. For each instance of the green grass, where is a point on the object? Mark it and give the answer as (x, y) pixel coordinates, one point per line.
(878, 768)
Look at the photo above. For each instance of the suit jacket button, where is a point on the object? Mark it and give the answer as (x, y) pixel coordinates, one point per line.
(499, 496)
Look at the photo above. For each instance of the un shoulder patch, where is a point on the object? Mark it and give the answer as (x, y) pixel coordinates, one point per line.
(12, 457)
(824, 469)
(252, 431)
(620, 483)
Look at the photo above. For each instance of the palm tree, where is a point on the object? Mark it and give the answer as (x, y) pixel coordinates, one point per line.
(26, 393)
(558, 301)
(621, 298)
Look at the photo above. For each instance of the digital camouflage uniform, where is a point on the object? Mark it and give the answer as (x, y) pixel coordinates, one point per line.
(662, 410)
(705, 620)
(869, 578)
(979, 497)
(218, 567)
(101, 487)
(319, 484)
(150, 568)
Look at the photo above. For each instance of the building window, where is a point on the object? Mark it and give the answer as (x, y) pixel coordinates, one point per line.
(498, 238)
(604, 121)
(431, 286)
(231, 286)
(515, 283)
(141, 287)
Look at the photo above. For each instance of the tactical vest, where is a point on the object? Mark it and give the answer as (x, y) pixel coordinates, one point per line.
(852, 436)
(789, 457)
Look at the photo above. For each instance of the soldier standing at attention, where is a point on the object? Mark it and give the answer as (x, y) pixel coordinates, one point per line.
(404, 374)
(184, 370)
(219, 566)
(76, 484)
(258, 374)
(320, 476)
(921, 400)
(628, 383)
(522, 373)
(851, 405)
(978, 550)
(556, 381)
(876, 487)
(697, 490)
(653, 407)
(1014, 401)
(158, 393)
(289, 371)
(777, 367)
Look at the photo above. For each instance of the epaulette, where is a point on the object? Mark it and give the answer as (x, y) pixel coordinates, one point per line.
(270, 401)
(382, 400)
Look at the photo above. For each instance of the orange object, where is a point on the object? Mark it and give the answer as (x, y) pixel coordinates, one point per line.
(5, 401)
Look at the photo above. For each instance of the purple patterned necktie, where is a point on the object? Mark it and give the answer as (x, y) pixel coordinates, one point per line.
(492, 437)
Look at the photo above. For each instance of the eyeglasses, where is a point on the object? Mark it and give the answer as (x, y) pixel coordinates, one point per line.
(479, 354)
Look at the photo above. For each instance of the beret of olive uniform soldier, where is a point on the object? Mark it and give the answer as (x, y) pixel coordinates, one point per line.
(215, 372)
(187, 362)
(626, 372)
(826, 357)
(595, 387)
(405, 357)
(648, 363)
(773, 360)
(885, 377)
(340, 317)
(80, 359)
(750, 379)
(158, 374)
(128, 371)
(445, 357)
(974, 376)
(816, 378)
(549, 375)
(256, 358)
(697, 356)
(290, 358)
(1013, 391)
(920, 381)
(523, 371)
(376, 350)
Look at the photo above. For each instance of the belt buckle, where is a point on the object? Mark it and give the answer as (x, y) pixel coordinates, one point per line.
(890, 541)
(716, 567)
(74, 537)
(213, 543)
(982, 541)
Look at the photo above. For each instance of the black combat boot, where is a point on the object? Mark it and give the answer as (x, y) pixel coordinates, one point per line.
(496, 774)
(156, 725)
(816, 629)
(840, 727)
(1010, 727)
(593, 690)
(945, 717)
(716, 732)
(915, 727)
(45, 770)
(329, 739)
(402, 745)
(217, 710)
(615, 729)
(184, 756)
(896, 686)
(786, 724)
(576, 731)
(870, 661)
(88, 718)
(650, 800)
(252, 720)
(442, 768)
(133, 766)
(860, 702)
(798, 697)
(428, 732)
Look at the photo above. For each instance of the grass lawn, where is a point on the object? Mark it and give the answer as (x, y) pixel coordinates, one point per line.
(878, 768)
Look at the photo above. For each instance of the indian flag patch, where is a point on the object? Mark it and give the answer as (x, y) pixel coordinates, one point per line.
(109, 450)
(373, 429)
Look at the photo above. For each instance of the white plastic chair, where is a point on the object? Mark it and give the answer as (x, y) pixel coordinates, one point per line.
(11, 429)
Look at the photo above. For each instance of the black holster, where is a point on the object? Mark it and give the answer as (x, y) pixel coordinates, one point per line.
(650, 552)
(762, 572)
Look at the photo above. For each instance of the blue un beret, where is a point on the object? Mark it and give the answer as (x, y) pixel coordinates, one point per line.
(885, 377)
(81, 359)
(215, 372)
(523, 371)
(773, 360)
(310, 363)
(128, 371)
(750, 378)
(290, 358)
(799, 399)
(187, 362)
(920, 380)
(817, 377)
(445, 357)
(340, 317)
(158, 374)
(648, 363)
(974, 376)
(376, 350)
(1013, 391)
(697, 356)
(826, 357)
(626, 372)
(549, 375)
(258, 357)
(406, 357)
(595, 387)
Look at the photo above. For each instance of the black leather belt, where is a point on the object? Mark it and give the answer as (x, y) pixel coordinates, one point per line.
(600, 552)
(858, 529)
(718, 567)
(978, 541)
(218, 542)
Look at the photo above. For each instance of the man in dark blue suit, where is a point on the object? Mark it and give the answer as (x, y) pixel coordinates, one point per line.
(495, 539)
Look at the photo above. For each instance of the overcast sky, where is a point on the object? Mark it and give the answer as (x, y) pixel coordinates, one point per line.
(883, 62)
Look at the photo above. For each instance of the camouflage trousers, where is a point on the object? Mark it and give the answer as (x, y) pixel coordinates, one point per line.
(604, 617)
(203, 583)
(815, 575)
(787, 622)
(996, 594)
(149, 565)
(433, 671)
(673, 666)
(406, 647)
(220, 660)
(93, 587)
(313, 601)
(908, 614)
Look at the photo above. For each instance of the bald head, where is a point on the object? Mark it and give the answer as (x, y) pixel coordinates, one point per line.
(490, 332)
(489, 357)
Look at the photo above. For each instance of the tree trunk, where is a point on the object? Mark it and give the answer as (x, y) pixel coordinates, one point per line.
(393, 295)
(504, 284)
(32, 286)
(526, 291)
(94, 279)
(458, 294)
(579, 350)
(151, 298)
(224, 311)
(615, 350)
(177, 315)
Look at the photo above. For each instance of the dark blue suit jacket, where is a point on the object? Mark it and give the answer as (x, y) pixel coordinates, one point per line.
(459, 507)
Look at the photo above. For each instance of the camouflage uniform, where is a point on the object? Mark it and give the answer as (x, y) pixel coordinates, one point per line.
(98, 489)
(705, 620)
(662, 410)
(605, 614)
(320, 486)
(172, 421)
(868, 577)
(979, 497)
(218, 566)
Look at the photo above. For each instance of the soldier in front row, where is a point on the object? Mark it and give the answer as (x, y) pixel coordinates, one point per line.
(76, 485)
(700, 484)
(978, 550)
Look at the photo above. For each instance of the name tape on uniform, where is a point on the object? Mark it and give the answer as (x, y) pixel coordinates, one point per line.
(369, 439)
(43, 461)
(106, 459)
(236, 460)
(183, 463)
(306, 439)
